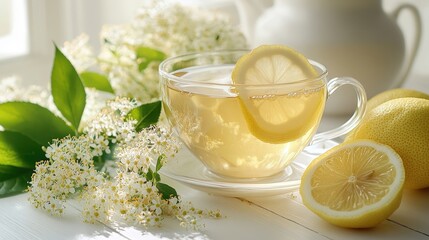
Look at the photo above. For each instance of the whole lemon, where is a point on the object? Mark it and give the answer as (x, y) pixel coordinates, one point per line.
(402, 124)
(393, 94)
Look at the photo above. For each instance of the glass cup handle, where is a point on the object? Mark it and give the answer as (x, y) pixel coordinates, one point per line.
(332, 86)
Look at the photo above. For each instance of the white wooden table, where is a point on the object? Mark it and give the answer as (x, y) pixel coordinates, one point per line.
(279, 217)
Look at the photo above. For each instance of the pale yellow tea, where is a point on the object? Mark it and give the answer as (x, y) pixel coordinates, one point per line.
(255, 134)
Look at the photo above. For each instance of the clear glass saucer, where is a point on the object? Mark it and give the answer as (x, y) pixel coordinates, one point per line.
(187, 169)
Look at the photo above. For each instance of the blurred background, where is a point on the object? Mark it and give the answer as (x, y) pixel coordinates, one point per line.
(28, 29)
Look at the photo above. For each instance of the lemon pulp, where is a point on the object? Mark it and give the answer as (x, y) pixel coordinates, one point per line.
(357, 184)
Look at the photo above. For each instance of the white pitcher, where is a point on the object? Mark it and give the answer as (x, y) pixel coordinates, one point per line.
(351, 37)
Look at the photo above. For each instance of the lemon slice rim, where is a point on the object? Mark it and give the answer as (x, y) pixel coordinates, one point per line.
(395, 187)
(316, 69)
(164, 71)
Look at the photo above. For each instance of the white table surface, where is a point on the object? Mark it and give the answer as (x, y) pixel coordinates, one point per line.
(279, 217)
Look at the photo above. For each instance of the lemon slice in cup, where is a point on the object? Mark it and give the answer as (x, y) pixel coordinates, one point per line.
(269, 64)
(277, 114)
(356, 185)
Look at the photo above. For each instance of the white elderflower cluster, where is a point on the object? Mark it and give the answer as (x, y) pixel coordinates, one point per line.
(111, 123)
(131, 196)
(128, 197)
(170, 28)
(134, 193)
(12, 90)
(79, 52)
(176, 29)
(69, 168)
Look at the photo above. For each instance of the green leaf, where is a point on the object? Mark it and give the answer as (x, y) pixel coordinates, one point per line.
(18, 156)
(149, 175)
(8, 172)
(146, 114)
(147, 55)
(15, 185)
(166, 191)
(34, 121)
(19, 151)
(67, 89)
(157, 177)
(97, 81)
(159, 162)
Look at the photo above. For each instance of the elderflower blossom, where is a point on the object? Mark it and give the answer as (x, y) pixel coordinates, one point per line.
(129, 195)
(79, 52)
(134, 199)
(12, 90)
(176, 29)
(69, 168)
(171, 28)
(111, 122)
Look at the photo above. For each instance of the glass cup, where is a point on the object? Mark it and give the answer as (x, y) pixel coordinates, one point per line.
(246, 131)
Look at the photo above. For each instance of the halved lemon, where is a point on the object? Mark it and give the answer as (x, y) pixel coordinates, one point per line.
(357, 184)
(274, 113)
